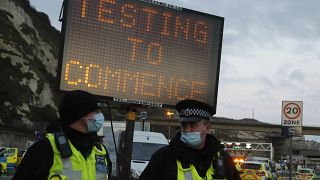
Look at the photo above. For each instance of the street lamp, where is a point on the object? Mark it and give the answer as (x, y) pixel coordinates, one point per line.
(169, 114)
(143, 116)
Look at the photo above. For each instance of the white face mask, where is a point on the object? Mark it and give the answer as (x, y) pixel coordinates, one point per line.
(96, 125)
(192, 139)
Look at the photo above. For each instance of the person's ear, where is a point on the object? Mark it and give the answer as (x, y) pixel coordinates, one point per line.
(208, 127)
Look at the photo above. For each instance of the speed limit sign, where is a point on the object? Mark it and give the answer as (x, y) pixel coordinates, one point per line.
(291, 114)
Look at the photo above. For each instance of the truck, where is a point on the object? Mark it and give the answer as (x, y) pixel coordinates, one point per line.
(10, 158)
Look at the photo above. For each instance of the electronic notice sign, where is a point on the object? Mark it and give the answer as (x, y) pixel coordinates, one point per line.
(140, 51)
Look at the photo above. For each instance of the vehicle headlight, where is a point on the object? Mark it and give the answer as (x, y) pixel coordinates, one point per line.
(135, 174)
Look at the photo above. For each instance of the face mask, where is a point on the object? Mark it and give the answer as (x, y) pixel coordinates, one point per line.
(96, 125)
(192, 139)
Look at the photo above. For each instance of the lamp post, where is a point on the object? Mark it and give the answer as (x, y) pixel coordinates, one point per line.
(143, 116)
(169, 114)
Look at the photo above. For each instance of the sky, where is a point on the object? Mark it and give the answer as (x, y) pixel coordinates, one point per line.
(270, 54)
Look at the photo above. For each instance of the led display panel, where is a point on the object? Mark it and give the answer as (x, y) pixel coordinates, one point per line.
(140, 51)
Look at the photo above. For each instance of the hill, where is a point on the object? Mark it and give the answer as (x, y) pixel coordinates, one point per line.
(28, 64)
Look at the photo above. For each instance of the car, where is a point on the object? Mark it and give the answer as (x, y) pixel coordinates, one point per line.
(255, 170)
(265, 160)
(10, 159)
(21, 154)
(305, 174)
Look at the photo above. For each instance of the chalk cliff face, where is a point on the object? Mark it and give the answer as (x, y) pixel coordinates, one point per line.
(29, 48)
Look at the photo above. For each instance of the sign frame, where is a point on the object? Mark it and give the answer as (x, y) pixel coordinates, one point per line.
(291, 113)
(213, 64)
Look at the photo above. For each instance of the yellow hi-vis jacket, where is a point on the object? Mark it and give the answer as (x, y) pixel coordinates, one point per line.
(76, 167)
(191, 173)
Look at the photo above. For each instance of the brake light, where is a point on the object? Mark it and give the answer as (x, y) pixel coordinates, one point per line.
(260, 173)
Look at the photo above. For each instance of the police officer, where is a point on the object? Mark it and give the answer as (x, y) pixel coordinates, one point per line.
(76, 151)
(193, 153)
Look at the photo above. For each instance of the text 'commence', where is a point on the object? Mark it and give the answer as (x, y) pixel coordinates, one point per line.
(96, 76)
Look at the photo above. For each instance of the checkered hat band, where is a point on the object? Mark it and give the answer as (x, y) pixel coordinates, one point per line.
(194, 112)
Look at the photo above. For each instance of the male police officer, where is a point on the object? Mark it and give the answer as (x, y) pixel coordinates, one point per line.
(74, 153)
(193, 153)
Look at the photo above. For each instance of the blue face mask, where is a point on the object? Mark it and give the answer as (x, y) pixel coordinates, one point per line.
(96, 125)
(191, 139)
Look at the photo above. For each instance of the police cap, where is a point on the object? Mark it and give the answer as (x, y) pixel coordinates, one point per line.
(193, 110)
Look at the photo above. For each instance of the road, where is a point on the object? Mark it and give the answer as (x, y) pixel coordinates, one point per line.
(279, 178)
(5, 177)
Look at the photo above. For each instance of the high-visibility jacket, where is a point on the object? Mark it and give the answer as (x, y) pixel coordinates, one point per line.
(76, 166)
(190, 172)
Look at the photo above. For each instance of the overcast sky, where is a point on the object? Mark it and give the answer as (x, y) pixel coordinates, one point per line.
(270, 53)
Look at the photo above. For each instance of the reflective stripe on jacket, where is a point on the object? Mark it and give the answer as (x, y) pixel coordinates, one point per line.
(190, 173)
(75, 166)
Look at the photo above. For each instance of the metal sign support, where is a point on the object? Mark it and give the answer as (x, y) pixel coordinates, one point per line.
(291, 133)
(126, 172)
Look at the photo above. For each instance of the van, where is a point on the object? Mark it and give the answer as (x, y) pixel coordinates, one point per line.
(144, 145)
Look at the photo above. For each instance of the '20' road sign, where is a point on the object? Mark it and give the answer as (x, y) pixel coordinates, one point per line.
(291, 114)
